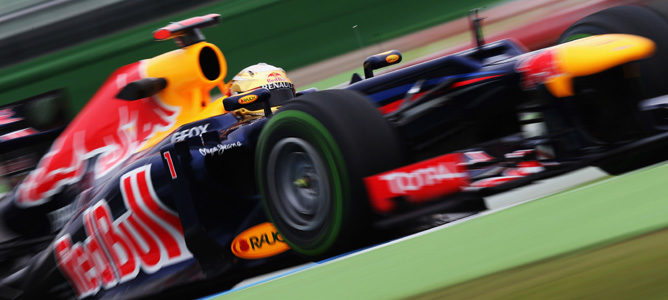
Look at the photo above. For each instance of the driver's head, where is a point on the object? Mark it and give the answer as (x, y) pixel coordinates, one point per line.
(267, 76)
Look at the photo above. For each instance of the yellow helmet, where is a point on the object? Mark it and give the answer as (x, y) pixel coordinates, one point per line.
(263, 75)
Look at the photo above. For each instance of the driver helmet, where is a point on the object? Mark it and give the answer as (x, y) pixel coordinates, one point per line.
(263, 75)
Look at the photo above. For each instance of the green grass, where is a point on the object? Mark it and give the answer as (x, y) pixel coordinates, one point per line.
(631, 269)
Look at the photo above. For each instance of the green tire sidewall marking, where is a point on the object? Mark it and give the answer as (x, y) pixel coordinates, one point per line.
(576, 36)
(316, 133)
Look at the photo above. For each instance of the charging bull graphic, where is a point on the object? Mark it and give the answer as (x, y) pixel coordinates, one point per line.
(108, 129)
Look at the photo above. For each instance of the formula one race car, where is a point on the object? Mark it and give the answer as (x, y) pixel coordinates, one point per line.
(153, 186)
(440, 135)
(109, 212)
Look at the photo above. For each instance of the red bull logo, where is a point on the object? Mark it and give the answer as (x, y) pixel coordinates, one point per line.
(537, 68)
(276, 77)
(147, 237)
(107, 128)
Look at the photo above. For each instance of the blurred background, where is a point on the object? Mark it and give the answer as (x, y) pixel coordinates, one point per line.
(74, 45)
(71, 46)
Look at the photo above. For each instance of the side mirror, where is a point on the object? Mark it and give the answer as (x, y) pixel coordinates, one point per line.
(380, 60)
(142, 88)
(252, 100)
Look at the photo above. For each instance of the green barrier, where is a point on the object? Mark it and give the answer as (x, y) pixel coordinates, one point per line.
(289, 33)
(598, 214)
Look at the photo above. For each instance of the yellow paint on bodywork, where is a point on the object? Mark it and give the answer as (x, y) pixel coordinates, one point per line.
(592, 55)
(188, 89)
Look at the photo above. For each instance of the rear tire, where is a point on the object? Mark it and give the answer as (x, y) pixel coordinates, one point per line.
(311, 159)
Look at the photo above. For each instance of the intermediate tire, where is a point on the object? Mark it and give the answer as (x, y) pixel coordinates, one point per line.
(311, 159)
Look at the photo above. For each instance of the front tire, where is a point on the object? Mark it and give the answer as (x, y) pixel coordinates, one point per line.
(311, 159)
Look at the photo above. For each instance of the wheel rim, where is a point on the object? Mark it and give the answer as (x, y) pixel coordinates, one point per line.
(298, 180)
